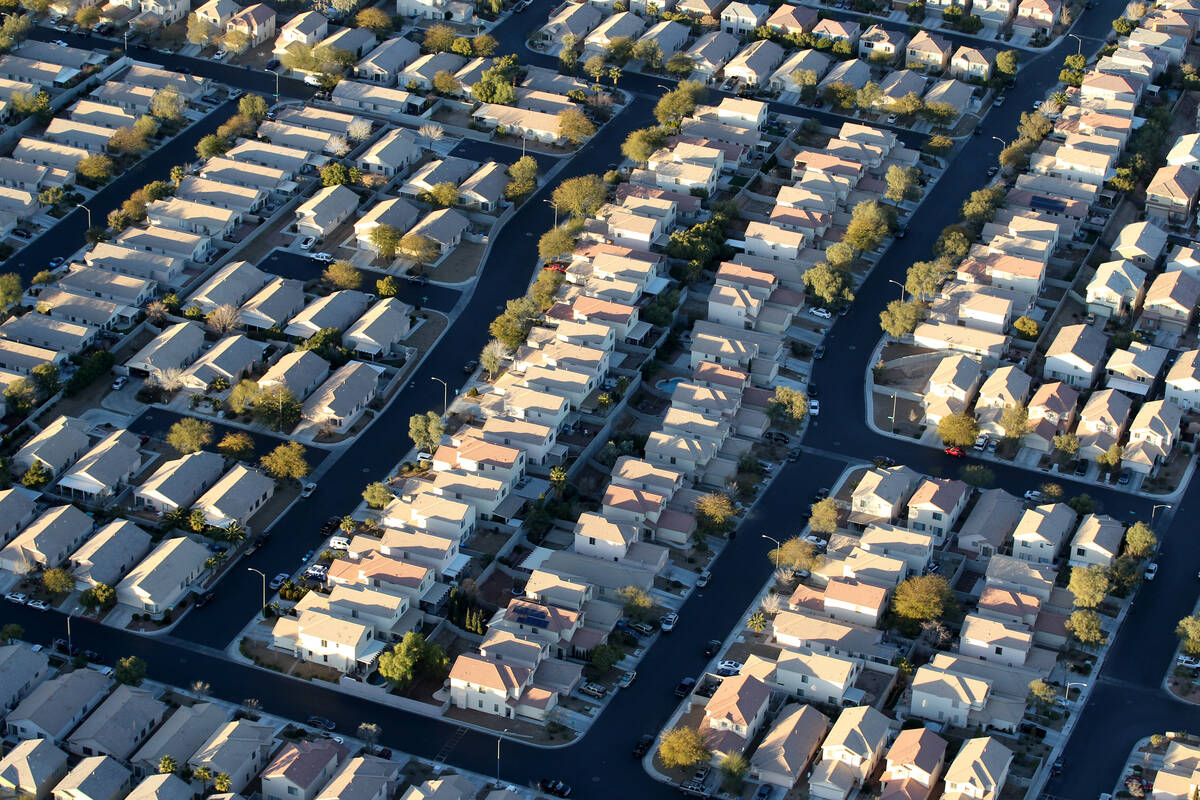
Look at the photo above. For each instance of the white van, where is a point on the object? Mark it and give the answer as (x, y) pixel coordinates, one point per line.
(339, 543)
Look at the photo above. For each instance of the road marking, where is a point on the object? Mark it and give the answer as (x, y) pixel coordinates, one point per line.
(450, 744)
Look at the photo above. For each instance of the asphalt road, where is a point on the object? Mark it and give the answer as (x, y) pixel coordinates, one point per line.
(289, 264)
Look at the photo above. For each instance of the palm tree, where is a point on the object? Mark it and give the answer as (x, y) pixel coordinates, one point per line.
(167, 764)
(235, 532)
(222, 782)
(558, 479)
(204, 775)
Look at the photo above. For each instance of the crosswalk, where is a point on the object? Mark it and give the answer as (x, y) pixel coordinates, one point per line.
(449, 745)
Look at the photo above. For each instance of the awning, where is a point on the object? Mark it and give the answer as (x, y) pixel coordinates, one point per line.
(639, 331)
(656, 285)
(456, 567)
(372, 652)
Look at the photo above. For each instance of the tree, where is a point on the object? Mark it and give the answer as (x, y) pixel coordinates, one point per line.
(1014, 420)
(605, 657)
(1034, 125)
(484, 45)
(581, 197)
(637, 602)
(1082, 504)
(190, 435)
(204, 775)
(673, 106)
(10, 289)
(222, 782)
(823, 517)
(223, 319)
(558, 479)
(168, 104)
(236, 444)
(568, 54)
(286, 461)
(1085, 626)
(1089, 585)
(439, 39)
(1006, 63)
(958, 430)
(444, 194)
(87, 17)
(36, 476)
(385, 239)
(900, 182)
(277, 407)
(788, 404)
(342, 275)
(1111, 457)
(11, 631)
(939, 144)
(377, 495)
(641, 144)
(387, 286)
(335, 174)
(574, 126)
(734, 766)
(680, 65)
(413, 656)
(828, 285)
(432, 131)
(58, 581)
(200, 31)
(1123, 26)
(649, 52)
(870, 224)
(1042, 693)
(978, 476)
(1188, 630)
(682, 747)
(714, 512)
(1067, 444)
(45, 379)
(757, 622)
(99, 596)
(522, 177)
(556, 243)
(426, 430)
(242, 398)
(492, 358)
(868, 96)
(210, 146)
(98, 168)
(167, 764)
(900, 319)
(1140, 541)
(1026, 327)
(253, 107)
(797, 553)
(981, 206)
(595, 67)
(375, 20)
(840, 256)
(922, 597)
(130, 670)
(419, 248)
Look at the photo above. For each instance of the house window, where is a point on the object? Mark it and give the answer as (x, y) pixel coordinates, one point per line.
(1079, 551)
(999, 651)
(937, 516)
(292, 790)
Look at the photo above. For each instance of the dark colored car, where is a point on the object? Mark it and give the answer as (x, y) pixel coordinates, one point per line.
(883, 461)
(643, 746)
(203, 599)
(554, 787)
(711, 648)
(273, 64)
(93, 656)
(684, 687)
(469, 367)
(1057, 767)
(321, 722)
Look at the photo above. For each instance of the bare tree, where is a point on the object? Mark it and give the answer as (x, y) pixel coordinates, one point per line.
(772, 603)
(201, 688)
(359, 129)
(223, 319)
(432, 131)
(338, 145)
(170, 379)
(369, 732)
(493, 357)
(785, 575)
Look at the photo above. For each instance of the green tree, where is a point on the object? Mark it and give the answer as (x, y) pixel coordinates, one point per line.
(1089, 585)
(439, 39)
(277, 407)
(190, 435)
(981, 206)
(824, 516)
(98, 597)
(595, 67)
(1042, 693)
(1111, 458)
(222, 782)
(444, 82)
(167, 764)
(568, 54)
(236, 444)
(385, 239)
(1014, 420)
(241, 400)
(426, 430)
(523, 176)
(939, 144)
(641, 144)
(958, 430)
(757, 622)
(924, 278)
(11, 631)
(411, 658)
(922, 597)
(377, 495)
(788, 404)
(204, 775)
(978, 476)
(605, 657)
(387, 286)
(168, 104)
(58, 581)
(253, 107)
(828, 285)
(419, 248)
(286, 461)
(797, 553)
(680, 65)
(1140, 541)
(673, 106)
(36, 477)
(901, 319)
(649, 52)
(443, 195)
(636, 602)
(1123, 26)
(682, 747)
(87, 17)
(1026, 327)
(492, 357)
(1034, 125)
(342, 275)
(734, 767)
(335, 174)
(901, 181)
(210, 146)
(556, 243)
(870, 224)
(1067, 444)
(714, 512)
(98, 167)
(1084, 625)
(1082, 504)
(484, 45)
(375, 20)
(45, 379)
(130, 670)
(1188, 630)
(581, 197)
(10, 289)
(574, 126)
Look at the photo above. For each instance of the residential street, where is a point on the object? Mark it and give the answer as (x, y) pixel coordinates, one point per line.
(1127, 703)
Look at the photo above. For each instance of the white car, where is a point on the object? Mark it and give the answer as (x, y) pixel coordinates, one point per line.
(119, 383)
(1187, 661)
(669, 622)
(702, 579)
(308, 243)
(16, 597)
(308, 490)
(279, 580)
(324, 258)
(1037, 104)
(981, 443)
(891, 119)
(823, 313)
(814, 408)
(39, 605)
(234, 94)
(312, 80)
(220, 54)
(729, 667)
(816, 541)
(1151, 571)
(60, 43)
(1034, 496)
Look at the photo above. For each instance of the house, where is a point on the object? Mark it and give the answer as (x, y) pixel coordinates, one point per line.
(379, 331)
(308, 28)
(109, 554)
(913, 764)
(256, 22)
(741, 18)
(669, 35)
(1135, 370)
(56, 706)
(1102, 422)
(1115, 288)
(882, 493)
(1075, 356)
(94, 778)
(622, 25)
(301, 769)
(228, 361)
(1097, 542)
(342, 399)
(484, 190)
(734, 713)
(337, 310)
(951, 387)
(450, 787)
(47, 541)
(792, 20)
(236, 497)
(497, 687)
(944, 696)
(177, 483)
(444, 227)
(1183, 381)
(979, 770)
(810, 675)
(837, 31)
(274, 304)
(604, 538)
(394, 151)
(21, 669)
(711, 51)
(1185, 259)
(454, 10)
(326, 210)
(1005, 387)
(849, 753)
(164, 786)
(181, 735)
(990, 523)
(1143, 243)
(575, 19)
(928, 51)
(755, 64)
(158, 582)
(32, 768)
(1051, 412)
(173, 349)
(217, 12)
(238, 749)
(55, 447)
(791, 742)
(971, 63)
(1152, 436)
(240, 199)
(995, 640)
(1185, 152)
(1036, 17)
(1171, 195)
(120, 724)
(355, 41)
(383, 64)
(936, 505)
(363, 778)
(785, 78)
(1170, 303)
(381, 100)
(1041, 531)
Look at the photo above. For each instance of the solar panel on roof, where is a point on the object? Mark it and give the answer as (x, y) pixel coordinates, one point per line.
(1047, 203)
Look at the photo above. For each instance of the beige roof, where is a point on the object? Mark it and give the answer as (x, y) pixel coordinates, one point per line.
(346, 391)
(232, 497)
(330, 204)
(939, 493)
(362, 778)
(304, 762)
(1049, 522)
(105, 557)
(474, 669)
(919, 747)
(182, 734)
(97, 777)
(161, 787)
(32, 766)
(160, 575)
(1085, 342)
(117, 726)
(738, 699)
(790, 743)
(1176, 290)
(981, 763)
(57, 444)
(54, 704)
(861, 730)
(959, 688)
(231, 746)
(1101, 532)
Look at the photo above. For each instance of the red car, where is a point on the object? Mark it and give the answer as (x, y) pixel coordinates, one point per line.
(556, 267)
(954, 451)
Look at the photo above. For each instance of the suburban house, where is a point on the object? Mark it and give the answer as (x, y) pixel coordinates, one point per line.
(1135, 370)
(177, 483)
(1170, 303)
(159, 581)
(1097, 542)
(1102, 422)
(1006, 386)
(979, 770)
(789, 745)
(882, 493)
(935, 506)
(1115, 289)
(1152, 436)
(1041, 532)
(1171, 195)
(928, 51)
(301, 769)
(1051, 412)
(325, 210)
(1075, 356)
(734, 714)
(238, 749)
(849, 753)
(1183, 381)
(913, 764)
(951, 387)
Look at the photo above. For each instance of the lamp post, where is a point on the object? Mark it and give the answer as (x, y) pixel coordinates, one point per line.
(1080, 684)
(499, 738)
(1001, 141)
(444, 393)
(276, 87)
(89, 214)
(1154, 511)
(70, 649)
(553, 205)
(1079, 49)
(901, 285)
(262, 575)
(778, 544)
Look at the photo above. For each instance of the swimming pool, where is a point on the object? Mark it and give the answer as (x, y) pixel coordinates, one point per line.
(668, 386)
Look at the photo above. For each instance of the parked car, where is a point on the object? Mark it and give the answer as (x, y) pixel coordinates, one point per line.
(324, 258)
(883, 461)
(711, 648)
(93, 656)
(776, 436)
(16, 597)
(119, 383)
(470, 367)
(816, 541)
(668, 622)
(273, 64)
(818, 352)
(555, 787)
(1034, 496)
(814, 408)
(817, 311)
(308, 242)
(993, 445)
(763, 792)
(1188, 661)
(703, 578)
(204, 598)
(220, 54)
(627, 679)
(981, 443)
(322, 723)
(954, 451)
(308, 490)
(312, 80)
(1151, 571)
(1125, 477)
(644, 743)
(593, 690)
(279, 580)
(686, 685)
(39, 605)
(641, 628)
(728, 668)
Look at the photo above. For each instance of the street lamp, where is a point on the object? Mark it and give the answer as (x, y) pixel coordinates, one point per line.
(553, 205)
(1080, 684)
(1079, 50)
(262, 575)
(89, 213)
(1154, 510)
(901, 285)
(778, 544)
(444, 393)
(1003, 143)
(499, 738)
(276, 87)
